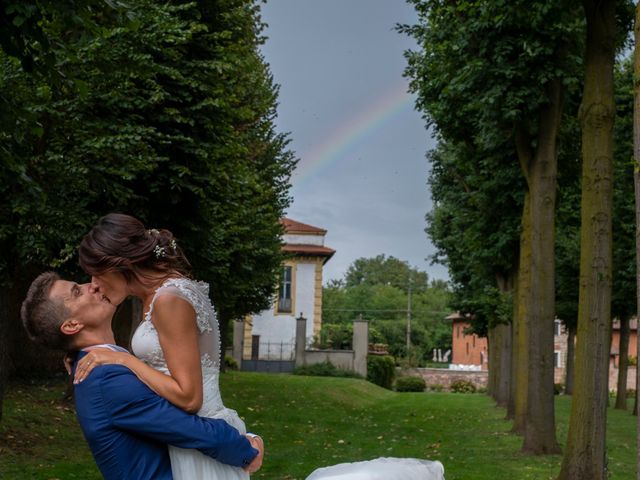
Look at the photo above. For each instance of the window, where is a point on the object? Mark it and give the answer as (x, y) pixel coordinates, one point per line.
(557, 328)
(284, 294)
(557, 359)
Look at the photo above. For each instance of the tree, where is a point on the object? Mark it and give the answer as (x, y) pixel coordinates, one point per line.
(479, 244)
(170, 120)
(623, 221)
(585, 452)
(636, 185)
(382, 270)
(491, 74)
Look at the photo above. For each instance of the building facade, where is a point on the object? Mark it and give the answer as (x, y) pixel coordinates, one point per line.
(468, 351)
(271, 334)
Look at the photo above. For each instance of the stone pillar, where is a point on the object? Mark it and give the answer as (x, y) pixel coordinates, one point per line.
(360, 346)
(301, 340)
(238, 342)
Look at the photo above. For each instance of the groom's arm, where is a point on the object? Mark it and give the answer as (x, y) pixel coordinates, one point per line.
(136, 408)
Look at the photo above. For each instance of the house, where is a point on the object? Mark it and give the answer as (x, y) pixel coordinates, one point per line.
(615, 354)
(469, 351)
(271, 334)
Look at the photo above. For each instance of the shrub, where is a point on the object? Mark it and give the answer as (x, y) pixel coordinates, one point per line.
(631, 393)
(324, 369)
(436, 387)
(558, 388)
(462, 386)
(410, 384)
(230, 363)
(381, 370)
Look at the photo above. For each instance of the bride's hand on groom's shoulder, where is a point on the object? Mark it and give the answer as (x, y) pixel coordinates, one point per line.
(258, 444)
(98, 356)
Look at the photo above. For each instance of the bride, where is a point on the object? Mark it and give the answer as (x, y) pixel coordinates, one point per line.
(177, 344)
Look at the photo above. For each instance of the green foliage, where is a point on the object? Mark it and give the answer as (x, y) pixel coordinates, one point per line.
(558, 388)
(167, 113)
(382, 270)
(623, 293)
(385, 307)
(230, 363)
(381, 370)
(410, 384)
(324, 369)
(335, 336)
(436, 387)
(462, 386)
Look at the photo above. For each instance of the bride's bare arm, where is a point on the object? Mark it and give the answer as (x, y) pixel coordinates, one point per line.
(175, 321)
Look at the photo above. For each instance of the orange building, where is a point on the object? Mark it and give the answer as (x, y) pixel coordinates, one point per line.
(615, 341)
(467, 349)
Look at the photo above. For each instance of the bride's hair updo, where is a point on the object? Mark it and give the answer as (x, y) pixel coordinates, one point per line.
(121, 243)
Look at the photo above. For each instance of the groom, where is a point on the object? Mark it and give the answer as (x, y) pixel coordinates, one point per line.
(126, 424)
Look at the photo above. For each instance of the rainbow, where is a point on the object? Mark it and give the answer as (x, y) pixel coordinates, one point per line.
(351, 132)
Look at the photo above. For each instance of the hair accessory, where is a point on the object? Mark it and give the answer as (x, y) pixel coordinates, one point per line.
(153, 231)
(159, 251)
(173, 246)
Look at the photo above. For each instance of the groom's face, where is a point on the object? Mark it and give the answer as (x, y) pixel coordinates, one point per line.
(85, 305)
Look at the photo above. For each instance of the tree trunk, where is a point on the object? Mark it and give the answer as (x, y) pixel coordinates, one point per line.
(585, 454)
(495, 353)
(571, 360)
(623, 364)
(503, 381)
(500, 343)
(521, 350)
(540, 428)
(4, 341)
(511, 403)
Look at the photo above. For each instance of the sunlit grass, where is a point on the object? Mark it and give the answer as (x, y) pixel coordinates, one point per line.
(309, 422)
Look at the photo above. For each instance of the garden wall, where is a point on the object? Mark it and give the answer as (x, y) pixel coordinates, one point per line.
(445, 377)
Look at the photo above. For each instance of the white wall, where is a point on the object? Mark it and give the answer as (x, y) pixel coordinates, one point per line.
(303, 239)
(281, 329)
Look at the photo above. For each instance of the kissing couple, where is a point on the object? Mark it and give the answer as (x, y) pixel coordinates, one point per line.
(138, 412)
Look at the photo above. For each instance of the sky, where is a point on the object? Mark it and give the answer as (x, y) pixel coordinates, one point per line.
(362, 147)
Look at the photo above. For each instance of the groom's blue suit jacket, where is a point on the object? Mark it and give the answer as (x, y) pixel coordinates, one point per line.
(128, 427)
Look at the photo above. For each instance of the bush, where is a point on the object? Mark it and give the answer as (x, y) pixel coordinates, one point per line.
(462, 386)
(324, 369)
(558, 388)
(631, 393)
(381, 370)
(436, 387)
(410, 384)
(230, 363)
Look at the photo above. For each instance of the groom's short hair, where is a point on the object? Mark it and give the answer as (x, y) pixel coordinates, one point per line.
(42, 316)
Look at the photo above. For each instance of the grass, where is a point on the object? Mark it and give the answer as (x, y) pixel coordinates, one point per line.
(309, 422)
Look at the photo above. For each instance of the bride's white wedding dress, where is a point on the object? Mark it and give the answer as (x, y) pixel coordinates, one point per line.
(191, 464)
(382, 469)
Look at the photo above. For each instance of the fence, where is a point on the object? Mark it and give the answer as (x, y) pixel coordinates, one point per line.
(284, 357)
(272, 357)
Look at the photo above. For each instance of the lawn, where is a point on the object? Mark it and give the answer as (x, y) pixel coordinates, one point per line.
(310, 422)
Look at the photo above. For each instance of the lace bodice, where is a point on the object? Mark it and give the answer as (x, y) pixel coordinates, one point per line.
(146, 344)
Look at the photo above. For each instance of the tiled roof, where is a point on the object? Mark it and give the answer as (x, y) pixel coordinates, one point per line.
(292, 226)
(313, 250)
